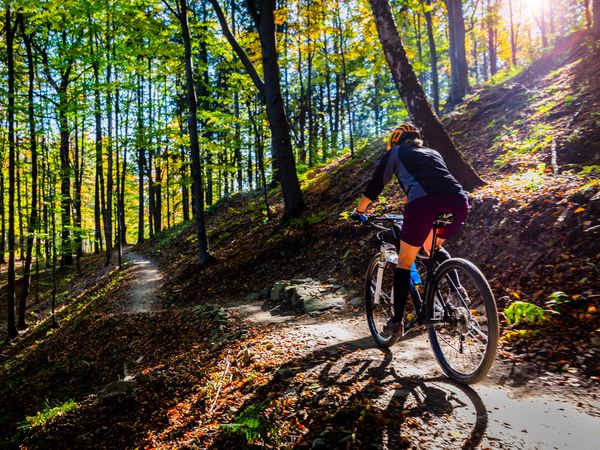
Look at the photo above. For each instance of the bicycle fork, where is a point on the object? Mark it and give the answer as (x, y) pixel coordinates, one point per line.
(386, 256)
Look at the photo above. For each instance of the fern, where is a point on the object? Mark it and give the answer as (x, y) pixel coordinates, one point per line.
(518, 311)
(250, 423)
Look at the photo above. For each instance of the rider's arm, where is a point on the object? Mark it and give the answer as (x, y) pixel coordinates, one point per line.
(376, 184)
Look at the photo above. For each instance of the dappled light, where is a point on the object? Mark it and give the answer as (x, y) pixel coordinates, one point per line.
(221, 224)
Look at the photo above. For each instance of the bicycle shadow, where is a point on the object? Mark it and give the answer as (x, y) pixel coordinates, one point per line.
(363, 401)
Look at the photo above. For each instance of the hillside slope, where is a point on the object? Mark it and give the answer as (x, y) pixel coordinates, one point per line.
(533, 229)
(525, 225)
(187, 373)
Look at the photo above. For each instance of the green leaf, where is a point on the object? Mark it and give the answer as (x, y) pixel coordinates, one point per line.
(518, 311)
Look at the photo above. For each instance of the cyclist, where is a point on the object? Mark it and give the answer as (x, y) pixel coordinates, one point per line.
(431, 190)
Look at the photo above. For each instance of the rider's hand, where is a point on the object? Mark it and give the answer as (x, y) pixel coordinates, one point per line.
(359, 217)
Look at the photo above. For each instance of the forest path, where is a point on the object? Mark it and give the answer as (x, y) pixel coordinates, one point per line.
(143, 296)
(512, 408)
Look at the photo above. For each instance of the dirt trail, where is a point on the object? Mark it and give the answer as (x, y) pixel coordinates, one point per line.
(144, 294)
(511, 409)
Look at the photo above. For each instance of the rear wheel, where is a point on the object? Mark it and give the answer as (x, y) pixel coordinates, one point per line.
(466, 340)
(379, 311)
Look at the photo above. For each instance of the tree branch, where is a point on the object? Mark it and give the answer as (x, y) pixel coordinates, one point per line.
(170, 8)
(253, 12)
(258, 82)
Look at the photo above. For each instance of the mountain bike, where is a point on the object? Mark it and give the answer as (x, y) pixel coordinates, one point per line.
(454, 302)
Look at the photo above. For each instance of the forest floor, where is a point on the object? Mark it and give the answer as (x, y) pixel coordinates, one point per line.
(295, 380)
(165, 353)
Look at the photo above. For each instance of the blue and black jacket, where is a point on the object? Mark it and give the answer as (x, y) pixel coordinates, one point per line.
(421, 171)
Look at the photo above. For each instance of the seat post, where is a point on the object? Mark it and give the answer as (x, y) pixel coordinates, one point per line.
(432, 251)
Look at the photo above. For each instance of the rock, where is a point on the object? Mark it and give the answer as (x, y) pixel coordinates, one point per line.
(356, 301)
(322, 303)
(283, 373)
(253, 296)
(265, 293)
(117, 390)
(276, 290)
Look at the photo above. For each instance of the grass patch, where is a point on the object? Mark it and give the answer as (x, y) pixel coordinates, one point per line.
(49, 413)
(511, 145)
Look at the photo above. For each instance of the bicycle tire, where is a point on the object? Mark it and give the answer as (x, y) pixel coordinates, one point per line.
(476, 316)
(378, 314)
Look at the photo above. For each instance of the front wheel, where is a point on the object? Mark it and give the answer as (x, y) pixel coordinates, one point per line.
(379, 310)
(464, 332)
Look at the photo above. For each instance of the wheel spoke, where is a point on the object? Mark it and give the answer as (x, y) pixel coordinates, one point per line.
(462, 344)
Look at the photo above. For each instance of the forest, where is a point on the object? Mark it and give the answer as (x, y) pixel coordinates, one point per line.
(202, 132)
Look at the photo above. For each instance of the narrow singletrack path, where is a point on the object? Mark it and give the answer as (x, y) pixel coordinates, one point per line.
(144, 294)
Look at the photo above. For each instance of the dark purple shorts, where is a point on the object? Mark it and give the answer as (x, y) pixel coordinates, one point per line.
(420, 214)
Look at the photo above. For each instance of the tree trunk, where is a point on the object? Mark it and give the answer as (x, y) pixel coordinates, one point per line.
(458, 58)
(435, 83)
(596, 10)
(65, 177)
(280, 128)
(414, 98)
(281, 144)
(121, 201)
(513, 36)
(345, 93)
(198, 200)
(2, 216)
(108, 227)
(100, 207)
(78, 179)
(491, 32)
(141, 161)
(33, 216)
(10, 290)
(118, 241)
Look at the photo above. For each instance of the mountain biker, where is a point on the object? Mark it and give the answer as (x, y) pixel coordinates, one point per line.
(431, 190)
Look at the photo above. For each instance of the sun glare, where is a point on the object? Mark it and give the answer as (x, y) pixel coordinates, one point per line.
(533, 7)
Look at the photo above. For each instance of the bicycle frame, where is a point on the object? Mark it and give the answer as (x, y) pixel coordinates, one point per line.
(387, 258)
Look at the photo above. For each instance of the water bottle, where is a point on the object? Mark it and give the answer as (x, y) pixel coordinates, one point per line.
(415, 279)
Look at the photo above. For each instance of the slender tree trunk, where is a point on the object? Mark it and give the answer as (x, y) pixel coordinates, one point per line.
(2, 215)
(302, 112)
(19, 204)
(435, 83)
(121, 207)
(100, 207)
(542, 24)
(344, 86)
(10, 290)
(33, 217)
(65, 177)
(491, 32)
(458, 58)
(513, 37)
(150, 153)
(198, 200)
(108, 227)
(260, 159)
(475, 59)
(118, 240)
(185, 193)
(414, 98)
(596, 11)
(141, 161)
